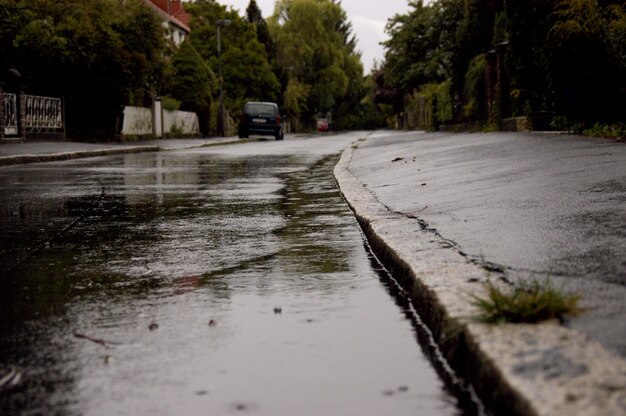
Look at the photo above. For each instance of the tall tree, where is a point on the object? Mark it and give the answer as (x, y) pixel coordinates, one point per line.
(247, 71)
(316, 48)
(255, 16)
(192, 81)
(406, 59)
(589, 59)
(98, 54)
(529, 53)
(562, 56)
(422, 46)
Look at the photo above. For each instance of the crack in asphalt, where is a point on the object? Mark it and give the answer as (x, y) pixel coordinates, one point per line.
(491, 267)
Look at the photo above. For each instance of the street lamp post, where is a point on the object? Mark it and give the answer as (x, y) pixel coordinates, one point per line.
(220, 24)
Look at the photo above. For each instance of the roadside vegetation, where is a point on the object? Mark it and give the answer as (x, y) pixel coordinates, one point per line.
(560, 63)
(526, 302)
(611, 131)
(101, 55)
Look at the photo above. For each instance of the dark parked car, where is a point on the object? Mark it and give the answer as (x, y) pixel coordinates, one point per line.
(261, 118)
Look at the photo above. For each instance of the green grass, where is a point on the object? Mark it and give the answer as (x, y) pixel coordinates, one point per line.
(526, 303)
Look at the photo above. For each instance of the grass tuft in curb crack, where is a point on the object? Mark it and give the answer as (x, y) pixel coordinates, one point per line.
(527, 302)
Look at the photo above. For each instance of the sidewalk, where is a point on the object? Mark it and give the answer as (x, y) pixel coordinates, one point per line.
(48, 151)
(518, 369)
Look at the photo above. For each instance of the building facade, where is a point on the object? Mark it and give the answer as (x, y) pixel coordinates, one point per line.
(175, 18)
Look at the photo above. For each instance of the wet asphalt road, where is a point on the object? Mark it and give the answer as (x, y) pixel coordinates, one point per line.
(535, 206)
(222, 280)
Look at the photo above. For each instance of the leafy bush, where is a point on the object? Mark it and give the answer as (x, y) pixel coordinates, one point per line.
(612, 131)
(170, 104)
(438, 102)
(363, 116)
(176, 131)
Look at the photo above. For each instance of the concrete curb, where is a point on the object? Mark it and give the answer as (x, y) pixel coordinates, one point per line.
(51, 157)
(544, 369)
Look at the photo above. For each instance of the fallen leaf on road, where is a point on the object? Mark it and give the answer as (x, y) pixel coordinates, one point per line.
(11, 378)
(95, 340)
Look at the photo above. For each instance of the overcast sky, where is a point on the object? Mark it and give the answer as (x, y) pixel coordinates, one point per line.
(368, 18)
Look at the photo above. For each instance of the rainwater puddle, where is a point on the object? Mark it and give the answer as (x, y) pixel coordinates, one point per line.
(170, 285)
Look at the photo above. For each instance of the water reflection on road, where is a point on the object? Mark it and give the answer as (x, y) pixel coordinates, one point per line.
(200, 285)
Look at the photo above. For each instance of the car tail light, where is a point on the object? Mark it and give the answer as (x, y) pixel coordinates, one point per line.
(277, 119)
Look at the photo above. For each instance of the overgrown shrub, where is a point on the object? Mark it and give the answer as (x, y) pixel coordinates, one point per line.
(475, 89)
(170, 104)
(611, 131)
(438, 103)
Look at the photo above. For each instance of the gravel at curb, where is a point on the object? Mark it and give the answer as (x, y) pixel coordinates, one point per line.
(51, 157)
(544, 369)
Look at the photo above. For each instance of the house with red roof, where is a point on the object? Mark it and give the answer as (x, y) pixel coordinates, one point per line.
(175, 18)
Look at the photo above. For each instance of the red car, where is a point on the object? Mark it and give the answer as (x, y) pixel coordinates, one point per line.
(322, 124)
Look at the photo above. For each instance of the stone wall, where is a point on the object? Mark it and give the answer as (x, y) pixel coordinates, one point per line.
(516, 124)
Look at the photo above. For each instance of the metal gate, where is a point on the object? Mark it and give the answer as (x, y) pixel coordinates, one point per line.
(9, 103)
(31, 116)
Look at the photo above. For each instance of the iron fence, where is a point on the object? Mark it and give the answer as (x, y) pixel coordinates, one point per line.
(43, 113)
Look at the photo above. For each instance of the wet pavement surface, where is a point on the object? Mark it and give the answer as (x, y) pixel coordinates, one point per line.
(529, 206)
(207, 281)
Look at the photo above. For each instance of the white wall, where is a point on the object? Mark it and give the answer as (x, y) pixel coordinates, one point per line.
(178, 35)
(138, 122)
(181, 121)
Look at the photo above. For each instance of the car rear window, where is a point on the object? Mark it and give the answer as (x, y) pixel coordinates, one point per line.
(260, 108)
